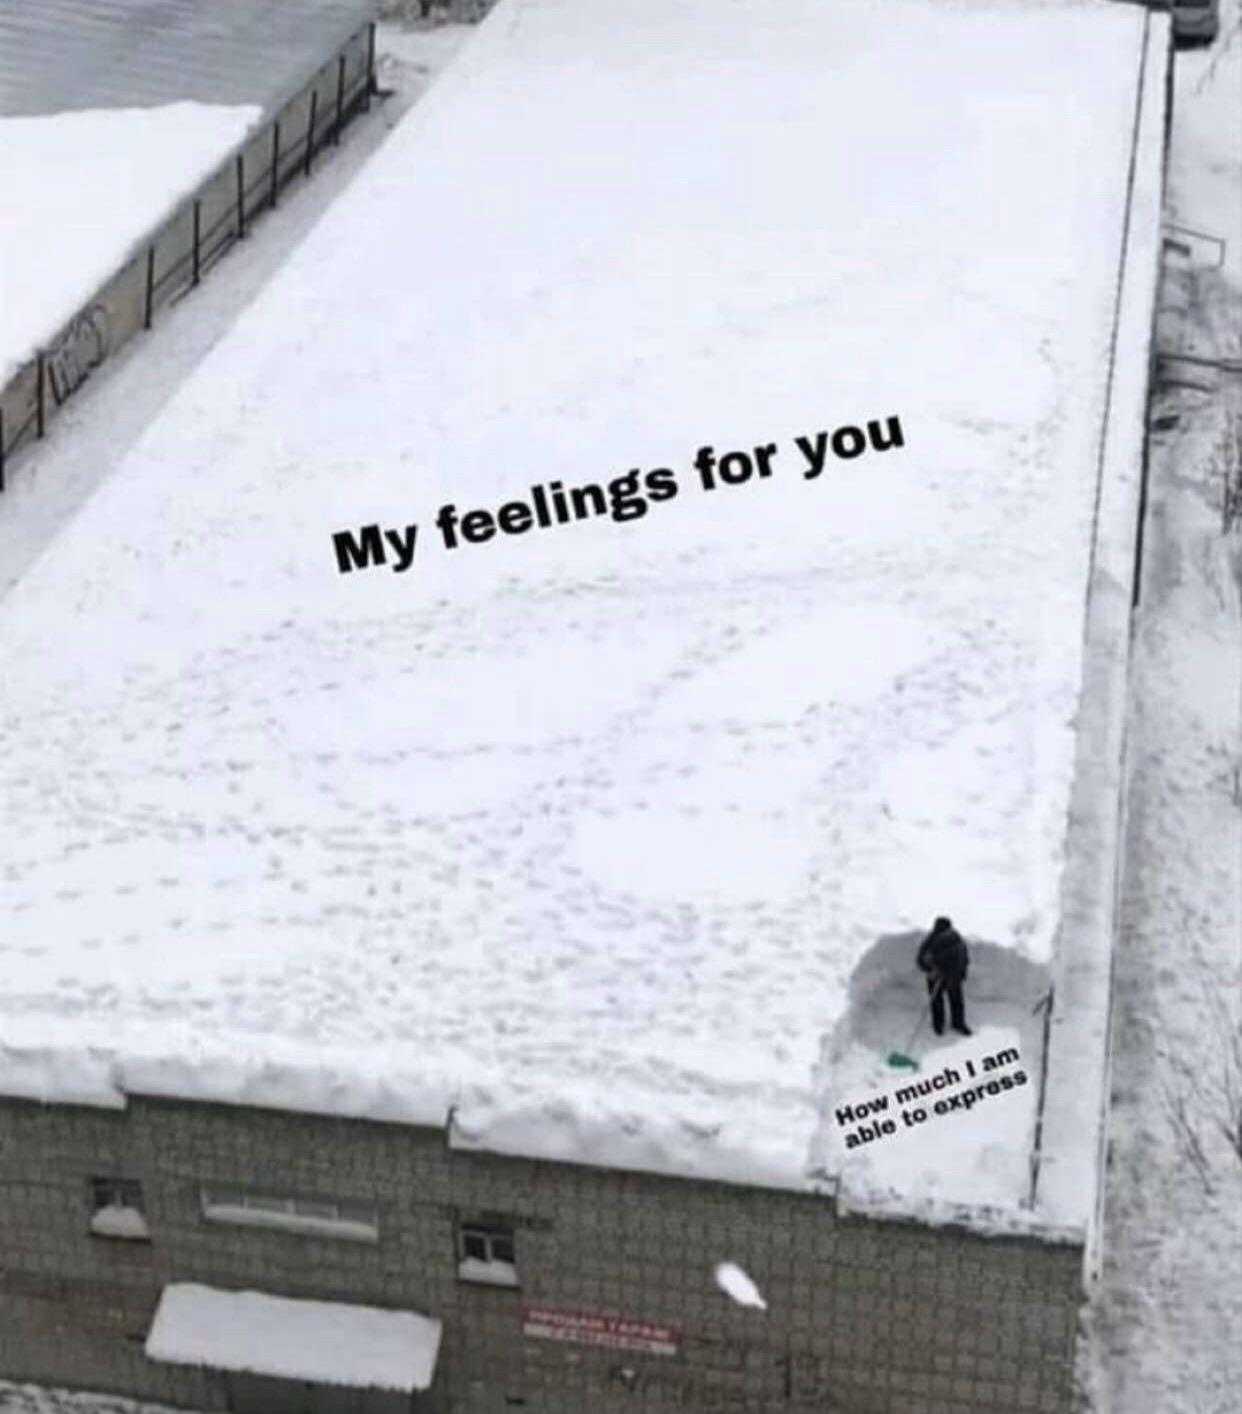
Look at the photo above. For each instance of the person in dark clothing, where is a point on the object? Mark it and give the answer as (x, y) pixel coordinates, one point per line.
(943, 957)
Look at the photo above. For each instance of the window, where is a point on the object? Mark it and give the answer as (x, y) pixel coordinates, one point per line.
(486, 1253)
(117, 1209)
(316, 1217)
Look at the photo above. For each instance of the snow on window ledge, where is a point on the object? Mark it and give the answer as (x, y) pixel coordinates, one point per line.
(348, 1228)
(487, 1273)
(116, 1220)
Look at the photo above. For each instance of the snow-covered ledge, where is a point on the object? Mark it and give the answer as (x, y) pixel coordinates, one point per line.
(117, 1220)
(350, 1229)
(1070, 1181)
(491, 1273)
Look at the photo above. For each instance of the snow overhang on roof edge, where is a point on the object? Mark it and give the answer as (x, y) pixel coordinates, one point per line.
(1075, 1102)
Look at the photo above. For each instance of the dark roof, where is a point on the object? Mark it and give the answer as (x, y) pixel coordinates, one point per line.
(66, 54)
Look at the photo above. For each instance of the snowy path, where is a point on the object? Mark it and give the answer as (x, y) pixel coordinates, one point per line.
(1166, 1322)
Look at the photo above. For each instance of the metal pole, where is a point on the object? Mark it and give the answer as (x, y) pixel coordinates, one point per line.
(241, 197)
(340, 99)
(370, 88)
(275, 162)
(310, 131)
(150, 304)
(198, 225)
(40, 405)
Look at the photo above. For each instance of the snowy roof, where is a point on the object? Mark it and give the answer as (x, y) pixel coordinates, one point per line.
(66, 54)
(51, 261)
(325, 1342)
(587, 829)
(160, 93)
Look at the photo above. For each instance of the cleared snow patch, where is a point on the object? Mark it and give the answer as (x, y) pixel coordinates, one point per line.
(978, 1155)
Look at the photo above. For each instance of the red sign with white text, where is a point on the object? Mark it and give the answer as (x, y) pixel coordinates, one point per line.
(611, 1332)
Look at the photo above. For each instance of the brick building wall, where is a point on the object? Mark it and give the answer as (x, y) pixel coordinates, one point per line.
(863, 1316)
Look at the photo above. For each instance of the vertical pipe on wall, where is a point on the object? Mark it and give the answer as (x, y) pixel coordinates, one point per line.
(370, 84)
(340, 99)
(149, 306)
(310, 130)
(241, 197)
(275, 161)
(198, 227)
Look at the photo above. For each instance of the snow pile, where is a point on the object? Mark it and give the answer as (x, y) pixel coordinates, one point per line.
(583, 832)
(67, 1069)
(735, 1282)
(685, 1115)
(319, 1341)
(70, 224)
(489, 1273)
(117, 1220)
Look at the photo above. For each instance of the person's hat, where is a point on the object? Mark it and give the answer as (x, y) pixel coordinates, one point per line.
(942, 923)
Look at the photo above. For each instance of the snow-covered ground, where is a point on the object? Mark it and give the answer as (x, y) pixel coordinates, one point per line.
(1165, 1329)
(304, 831)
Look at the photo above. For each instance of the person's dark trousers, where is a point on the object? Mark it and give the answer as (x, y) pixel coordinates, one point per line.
(957, 1006)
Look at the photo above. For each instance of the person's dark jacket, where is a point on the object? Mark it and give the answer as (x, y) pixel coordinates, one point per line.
(943, 954)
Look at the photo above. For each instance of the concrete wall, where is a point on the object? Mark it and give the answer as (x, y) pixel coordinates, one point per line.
(121, 308)
(863, 1316)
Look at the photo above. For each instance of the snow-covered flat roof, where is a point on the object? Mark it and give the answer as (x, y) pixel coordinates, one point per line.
(583, 825)
(325, 1342)
(157, 96)
(70, 225)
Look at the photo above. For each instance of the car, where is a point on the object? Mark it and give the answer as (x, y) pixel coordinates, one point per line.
(1195, 19)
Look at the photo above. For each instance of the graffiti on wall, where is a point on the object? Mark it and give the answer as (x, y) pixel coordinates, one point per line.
(83, 346)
